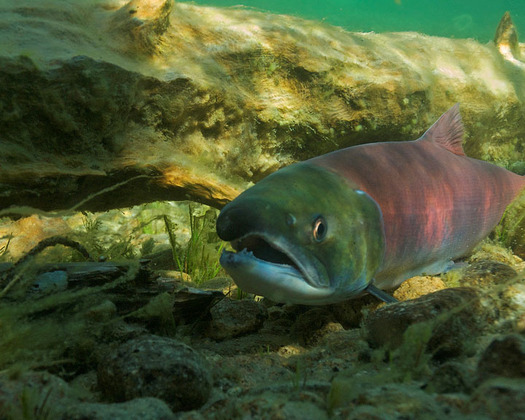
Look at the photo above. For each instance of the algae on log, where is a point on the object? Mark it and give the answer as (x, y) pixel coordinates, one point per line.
(156, 100)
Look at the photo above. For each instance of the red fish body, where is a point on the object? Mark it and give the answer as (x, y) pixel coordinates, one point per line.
(437, 203)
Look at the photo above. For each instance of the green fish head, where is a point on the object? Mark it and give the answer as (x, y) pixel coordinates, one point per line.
(303, 235)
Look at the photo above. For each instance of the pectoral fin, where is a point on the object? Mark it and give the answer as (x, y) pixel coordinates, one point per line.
(378, 293)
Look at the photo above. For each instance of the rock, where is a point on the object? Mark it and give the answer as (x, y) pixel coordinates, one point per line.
(350, 312)
(232, 318)
(248, 344)
(511, 305)
(120, 331)
(505, 356)
(484, 274)
(191, 304)
(26, 232)
(311, 326)
(137, 409)
(451, 377)
(162, 100)
(500, 398)
(418, 286)
(453, 317)
(153, 366)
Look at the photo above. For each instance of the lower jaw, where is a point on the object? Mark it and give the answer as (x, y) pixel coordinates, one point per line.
(277, 282)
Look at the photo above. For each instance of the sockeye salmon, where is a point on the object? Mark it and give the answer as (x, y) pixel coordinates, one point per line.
(364, 218)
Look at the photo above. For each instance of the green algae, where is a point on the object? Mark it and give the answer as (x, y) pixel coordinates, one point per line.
(511, 230)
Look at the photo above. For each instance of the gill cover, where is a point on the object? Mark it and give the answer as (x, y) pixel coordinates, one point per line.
(303, 235)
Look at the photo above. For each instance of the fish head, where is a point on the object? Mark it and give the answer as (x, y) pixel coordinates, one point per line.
(302, 235)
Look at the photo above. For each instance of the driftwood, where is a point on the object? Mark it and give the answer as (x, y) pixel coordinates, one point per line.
(189, 303)
(167, 101)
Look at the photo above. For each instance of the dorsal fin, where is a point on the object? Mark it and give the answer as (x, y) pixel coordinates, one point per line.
(506, 37)
(448, 131)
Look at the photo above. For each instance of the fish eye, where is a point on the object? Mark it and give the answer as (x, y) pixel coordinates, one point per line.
(319, 229)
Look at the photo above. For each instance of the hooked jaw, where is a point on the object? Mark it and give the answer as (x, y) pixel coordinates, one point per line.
(265, 266)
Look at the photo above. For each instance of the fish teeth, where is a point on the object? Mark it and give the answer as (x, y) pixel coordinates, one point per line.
(245, 251)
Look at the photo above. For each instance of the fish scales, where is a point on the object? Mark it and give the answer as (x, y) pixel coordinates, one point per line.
(436, 205)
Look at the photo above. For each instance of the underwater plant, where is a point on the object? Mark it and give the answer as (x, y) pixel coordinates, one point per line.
(31, 405)
(118, 247)
(199, 257)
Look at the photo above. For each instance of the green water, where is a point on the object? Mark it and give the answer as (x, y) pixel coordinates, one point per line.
(449, 18)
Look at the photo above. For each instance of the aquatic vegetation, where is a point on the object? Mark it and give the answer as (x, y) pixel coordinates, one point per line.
(32, 405)
(410, 360)
(199, 257)
(4, 249)
(511, 230)
(300, 374)
(113, 247)
(29, 337)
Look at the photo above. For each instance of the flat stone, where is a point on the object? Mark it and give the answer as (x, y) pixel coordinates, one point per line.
(153, 366)
(50, 282)
(418, 286)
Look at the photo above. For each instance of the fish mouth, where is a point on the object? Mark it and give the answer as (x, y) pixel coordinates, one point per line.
(263, 249)
(274, 269)
(275, 255)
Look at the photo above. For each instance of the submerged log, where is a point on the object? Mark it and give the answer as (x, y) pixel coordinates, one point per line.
(105, 104)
